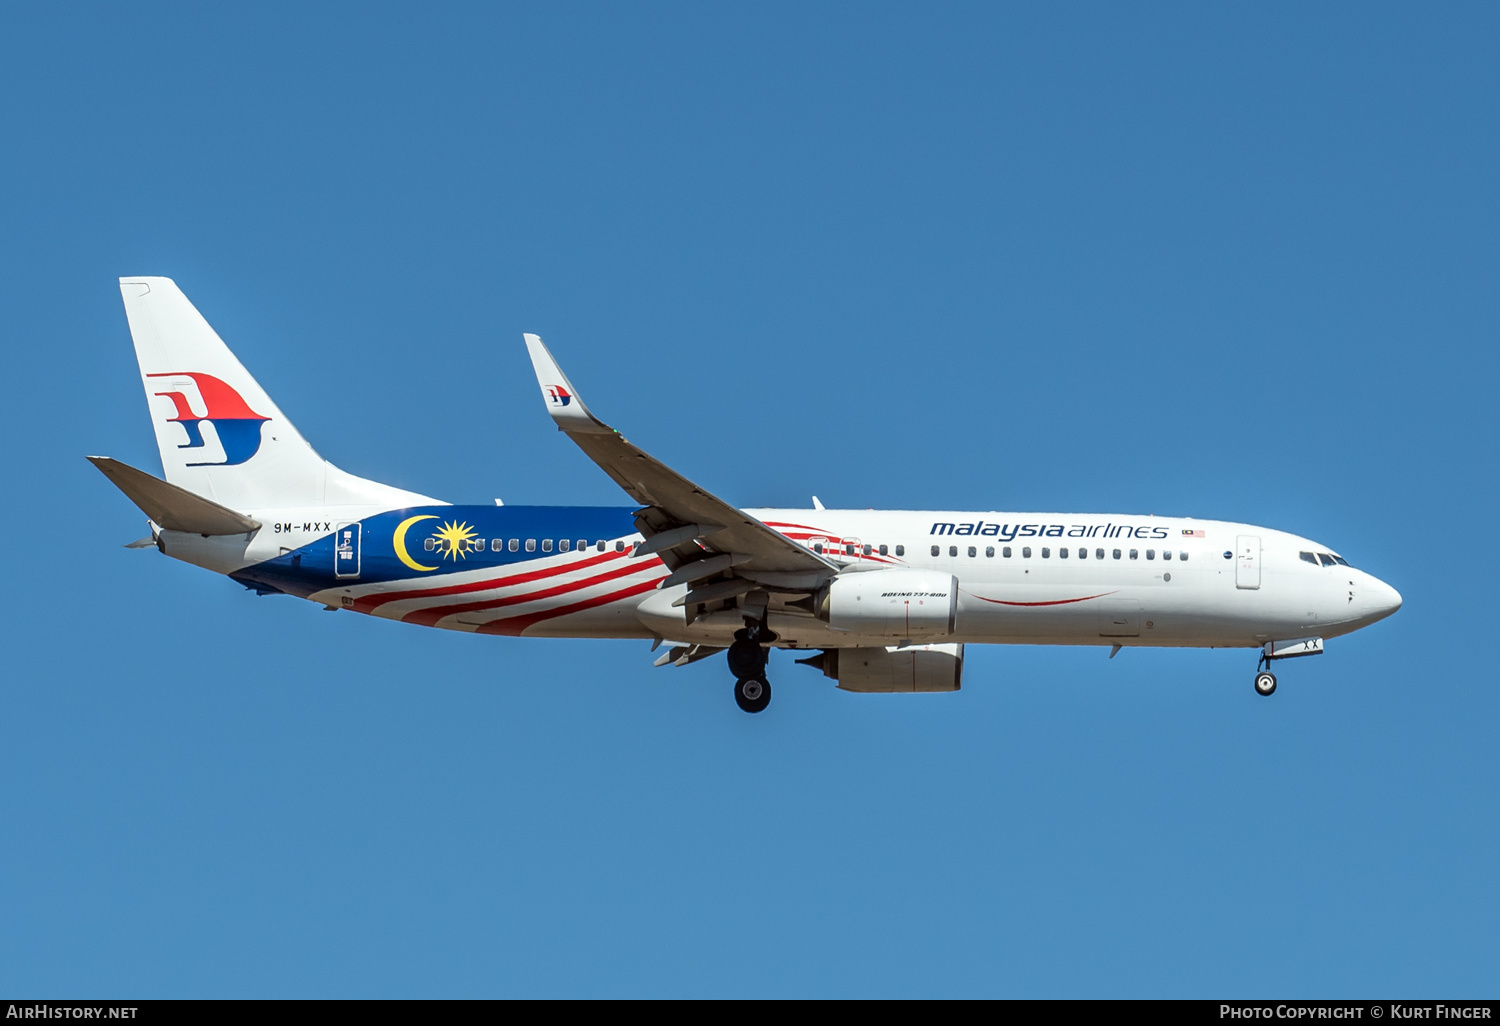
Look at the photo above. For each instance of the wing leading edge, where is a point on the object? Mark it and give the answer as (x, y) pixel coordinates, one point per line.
(715, 548)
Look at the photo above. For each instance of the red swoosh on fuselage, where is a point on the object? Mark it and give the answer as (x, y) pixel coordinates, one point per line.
(370, 603)
(514, 625)
(834, 541)
(430, 615)
(1054, 602)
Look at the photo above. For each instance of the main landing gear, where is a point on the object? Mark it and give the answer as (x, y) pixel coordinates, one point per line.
(747, 661)
(1265, 680)
(752, 694)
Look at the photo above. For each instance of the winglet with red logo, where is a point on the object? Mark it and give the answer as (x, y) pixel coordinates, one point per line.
(562, 399)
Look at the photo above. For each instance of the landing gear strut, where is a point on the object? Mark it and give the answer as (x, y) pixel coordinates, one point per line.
(1265, 680)
(747, 661)
(746, 658)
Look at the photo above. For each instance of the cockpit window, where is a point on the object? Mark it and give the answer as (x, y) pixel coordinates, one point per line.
(1326, 558)
(1340, 561)
(1308, 557)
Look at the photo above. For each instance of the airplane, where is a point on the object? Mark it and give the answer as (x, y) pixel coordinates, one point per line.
(878, 601)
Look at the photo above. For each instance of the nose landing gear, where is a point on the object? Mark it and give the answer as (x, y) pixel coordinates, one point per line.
(1265, 680)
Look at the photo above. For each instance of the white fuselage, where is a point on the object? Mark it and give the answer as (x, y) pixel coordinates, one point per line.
(1029, 578)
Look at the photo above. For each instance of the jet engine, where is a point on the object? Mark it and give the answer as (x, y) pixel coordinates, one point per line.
(894, 603)
(898, 668)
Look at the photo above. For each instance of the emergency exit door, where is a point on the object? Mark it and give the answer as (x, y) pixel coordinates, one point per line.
(346, 551)
(1247, 562)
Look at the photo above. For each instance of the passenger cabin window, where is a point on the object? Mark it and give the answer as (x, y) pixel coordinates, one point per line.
(515, 545)
(973, 552)
(497, 544)
(546, 544)
(1182, 556)
(818, 547)
(583, 543)
(619, 546)
(530, 544)
(1061, 553)
(566, 545)
(900, 550)
(849, 549)
(1099, 554)
(1026, 552)
(1117, 554)
(935, 550)
(1005, 552)
(953, 550)
(1047, 553)
(868, 550)
(1135, 553)
(1150, 553)
(884, 551)
(429, 544)
(1166, 553)
(989, 552)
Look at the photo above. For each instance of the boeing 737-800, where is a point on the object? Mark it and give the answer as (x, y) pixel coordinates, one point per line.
(882, 601)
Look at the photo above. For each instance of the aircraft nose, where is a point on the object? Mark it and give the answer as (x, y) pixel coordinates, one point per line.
(1385, 599)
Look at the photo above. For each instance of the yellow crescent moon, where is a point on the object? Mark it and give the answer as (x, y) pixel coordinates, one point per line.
(399, 541)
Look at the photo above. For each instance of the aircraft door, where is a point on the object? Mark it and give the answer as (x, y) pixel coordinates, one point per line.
(1247, 561)
(346, 550)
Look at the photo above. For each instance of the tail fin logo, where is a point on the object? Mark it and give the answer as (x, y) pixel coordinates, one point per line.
(236, 424)
(560, 396)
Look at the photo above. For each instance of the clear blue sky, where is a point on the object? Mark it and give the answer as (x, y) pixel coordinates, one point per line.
(1230, 260)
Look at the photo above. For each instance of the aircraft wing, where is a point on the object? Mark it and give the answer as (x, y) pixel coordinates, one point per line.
(698, 535)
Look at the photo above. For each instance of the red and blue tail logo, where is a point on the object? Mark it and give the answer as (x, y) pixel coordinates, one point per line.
(560, 396)
(236, 424)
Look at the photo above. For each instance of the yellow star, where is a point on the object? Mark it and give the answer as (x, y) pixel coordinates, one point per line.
(452, 540)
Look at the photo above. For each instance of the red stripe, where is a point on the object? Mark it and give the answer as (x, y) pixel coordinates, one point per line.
(834, 541)
(1057, 602)
(431, 615)
(369, 603)
(516, 624)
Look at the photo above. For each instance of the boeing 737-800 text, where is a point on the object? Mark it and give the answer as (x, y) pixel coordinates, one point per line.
(882, 601)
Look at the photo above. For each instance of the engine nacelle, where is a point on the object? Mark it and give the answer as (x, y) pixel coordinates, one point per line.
(899, 668)
(903, 604)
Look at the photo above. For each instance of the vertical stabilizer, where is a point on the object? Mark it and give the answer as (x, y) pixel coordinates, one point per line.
(218, 432)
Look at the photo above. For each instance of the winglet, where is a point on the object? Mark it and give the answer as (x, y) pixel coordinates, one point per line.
(562, 399)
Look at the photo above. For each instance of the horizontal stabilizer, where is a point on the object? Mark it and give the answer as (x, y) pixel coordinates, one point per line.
(171, 507)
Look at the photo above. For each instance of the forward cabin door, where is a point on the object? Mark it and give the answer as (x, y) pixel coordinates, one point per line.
(1247, 561)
